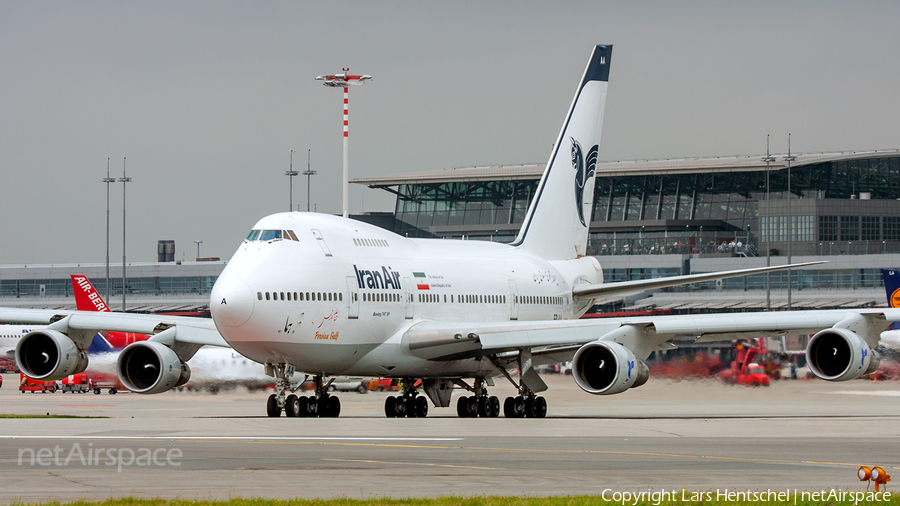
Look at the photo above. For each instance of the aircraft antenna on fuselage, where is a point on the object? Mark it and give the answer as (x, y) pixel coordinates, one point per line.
(557, 223)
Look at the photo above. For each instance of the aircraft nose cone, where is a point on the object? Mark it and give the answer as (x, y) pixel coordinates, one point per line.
(231, 302)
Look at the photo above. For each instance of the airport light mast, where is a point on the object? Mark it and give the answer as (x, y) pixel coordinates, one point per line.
(290, 173)
(124, 180)
(107, 180)
(344, 81)
(308, 172)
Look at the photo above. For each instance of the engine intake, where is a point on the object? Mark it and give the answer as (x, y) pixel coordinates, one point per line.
(148, 367)
(838, 354)
(49, 355)
(605, 368)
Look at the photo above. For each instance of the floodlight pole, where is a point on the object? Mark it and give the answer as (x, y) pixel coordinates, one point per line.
(124, 180)
(308, 172)
(290, 173)
(768, 228)
(107, 180)
(345, 81)
(198, 248)
(789, 158)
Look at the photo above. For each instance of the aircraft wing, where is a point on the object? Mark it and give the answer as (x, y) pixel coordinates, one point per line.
(641, 335)
(587, 292)
(167, 329)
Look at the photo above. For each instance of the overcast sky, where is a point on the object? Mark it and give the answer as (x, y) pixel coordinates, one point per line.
(206, 100)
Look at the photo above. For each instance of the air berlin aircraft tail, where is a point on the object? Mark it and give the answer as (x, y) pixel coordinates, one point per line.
(87, 299)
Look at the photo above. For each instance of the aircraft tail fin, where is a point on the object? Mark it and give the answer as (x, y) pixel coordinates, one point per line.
(557, 223)
(86, 297)
(892, 289)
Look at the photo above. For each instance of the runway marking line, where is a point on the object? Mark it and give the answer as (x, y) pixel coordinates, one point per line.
(416, 464)
(336, 441)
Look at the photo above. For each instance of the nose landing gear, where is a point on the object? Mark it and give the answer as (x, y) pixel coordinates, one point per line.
(322, 404)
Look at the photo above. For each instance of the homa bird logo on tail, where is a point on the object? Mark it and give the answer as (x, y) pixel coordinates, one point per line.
(584, 171)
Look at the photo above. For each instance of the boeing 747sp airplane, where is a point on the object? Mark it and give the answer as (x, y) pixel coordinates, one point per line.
(325, 296)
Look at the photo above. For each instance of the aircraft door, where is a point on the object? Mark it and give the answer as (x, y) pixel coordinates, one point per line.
(513, 304)
(353, 298)
(407, 292)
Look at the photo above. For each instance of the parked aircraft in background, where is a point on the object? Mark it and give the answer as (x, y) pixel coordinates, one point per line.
(325, 295)
(215, 367)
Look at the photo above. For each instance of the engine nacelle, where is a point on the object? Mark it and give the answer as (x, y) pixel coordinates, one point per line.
(837, 354)
(605, 367)
(49, 355)
(148, 367)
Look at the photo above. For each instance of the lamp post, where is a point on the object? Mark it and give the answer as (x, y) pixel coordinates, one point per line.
(308, 172)
(789, 158)
(107, 180)
(290, 173)
(198, 248)
(344, 81)
(124, 180)
(768, 228)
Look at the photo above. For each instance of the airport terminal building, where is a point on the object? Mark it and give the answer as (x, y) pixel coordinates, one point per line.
(650, 218)
(655, 218)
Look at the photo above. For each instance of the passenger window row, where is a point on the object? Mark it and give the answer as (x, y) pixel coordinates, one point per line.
(539, 300)
(377, 243)
(271, 235)
(462, 299)
(301, 296)
(381, 297)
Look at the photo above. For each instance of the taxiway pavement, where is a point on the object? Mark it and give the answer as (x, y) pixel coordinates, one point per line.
(699, 435)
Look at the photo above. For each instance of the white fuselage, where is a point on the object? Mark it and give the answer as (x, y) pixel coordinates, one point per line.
(10, 336)
(338, 299)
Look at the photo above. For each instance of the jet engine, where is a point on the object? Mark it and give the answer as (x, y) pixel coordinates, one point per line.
(49, 355)
(148, 367)
(838, 354)
(606, 367)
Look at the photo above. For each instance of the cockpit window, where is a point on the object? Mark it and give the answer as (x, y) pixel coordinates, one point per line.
(270, 235)
(253, 235)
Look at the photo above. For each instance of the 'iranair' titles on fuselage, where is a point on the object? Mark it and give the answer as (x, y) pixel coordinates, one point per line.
(383, 279)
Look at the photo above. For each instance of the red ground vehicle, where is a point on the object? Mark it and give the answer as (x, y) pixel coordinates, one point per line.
(27, 384)
(745, 370)
(76, 383)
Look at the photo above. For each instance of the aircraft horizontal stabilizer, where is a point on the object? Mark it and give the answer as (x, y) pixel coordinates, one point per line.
(587, 292)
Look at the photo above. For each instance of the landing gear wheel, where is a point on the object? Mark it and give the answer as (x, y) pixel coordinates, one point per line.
(529, 407)
(421, 404)
(334, 407)
(509, 407)
(390, 407)
(312, 407)
(303, 406)
(272, 408)
(402, 407)
(539, 407)
(291, 406)
(495, 406)
(322, 407)
(483, 407)
(462, 407)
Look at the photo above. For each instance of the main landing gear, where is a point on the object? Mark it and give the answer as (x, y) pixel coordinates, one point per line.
(479, 404)
(526, 404)
(322, 404)
(410, 404)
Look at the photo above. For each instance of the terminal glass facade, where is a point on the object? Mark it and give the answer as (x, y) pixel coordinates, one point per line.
(701, 212)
